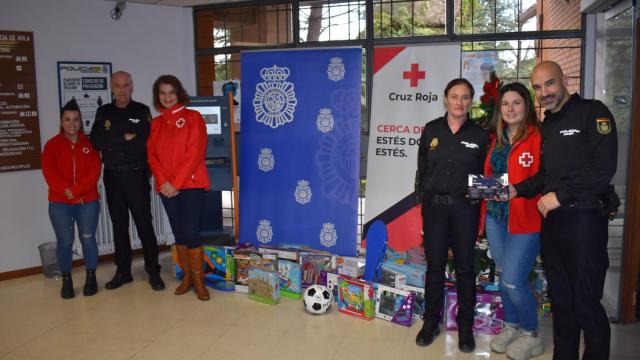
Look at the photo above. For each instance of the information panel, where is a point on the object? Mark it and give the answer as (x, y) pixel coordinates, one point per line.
(86, 82)
(19, 124)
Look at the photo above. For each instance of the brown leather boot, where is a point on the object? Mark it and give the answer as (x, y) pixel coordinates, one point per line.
(195, 265)
(183, 259)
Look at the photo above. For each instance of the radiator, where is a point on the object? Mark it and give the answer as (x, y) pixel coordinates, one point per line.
(104, 232)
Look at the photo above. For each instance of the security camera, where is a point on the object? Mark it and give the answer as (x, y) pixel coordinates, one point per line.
(118, 10)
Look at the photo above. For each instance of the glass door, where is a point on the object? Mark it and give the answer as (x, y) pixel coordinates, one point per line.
(614, 88)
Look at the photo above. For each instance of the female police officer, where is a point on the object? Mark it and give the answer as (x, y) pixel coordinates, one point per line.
(451, 148)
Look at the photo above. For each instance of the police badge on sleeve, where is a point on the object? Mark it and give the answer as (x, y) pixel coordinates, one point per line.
(603, 125)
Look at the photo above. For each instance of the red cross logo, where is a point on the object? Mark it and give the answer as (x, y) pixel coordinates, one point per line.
(414, 75)
(180, 122)
(525, 159)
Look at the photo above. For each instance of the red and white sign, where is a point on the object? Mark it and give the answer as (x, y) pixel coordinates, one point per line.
(408, 88)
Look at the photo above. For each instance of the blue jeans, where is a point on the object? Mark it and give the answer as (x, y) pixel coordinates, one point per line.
(514, 255)
(85, 216)
(183, 211)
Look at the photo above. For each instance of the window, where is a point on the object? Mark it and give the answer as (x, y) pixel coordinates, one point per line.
(503, 16)
(332, 20)
(248, 26)
(403, 18)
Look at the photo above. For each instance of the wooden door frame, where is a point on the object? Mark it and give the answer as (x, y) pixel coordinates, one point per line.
(631, 244)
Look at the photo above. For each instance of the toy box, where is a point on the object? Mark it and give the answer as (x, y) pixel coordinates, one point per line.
(392, 278)
(356, 298)
(244, 260)
(219, 267)
(489, 314)
(330, 280)
(312, 264)
(263, 285)
(289, 279)
(394, 305)
(415, 273)
(419, 305)
(488, 187)
(350, 266)
(281, 253)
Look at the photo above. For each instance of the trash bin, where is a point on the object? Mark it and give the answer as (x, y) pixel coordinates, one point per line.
(49, 260)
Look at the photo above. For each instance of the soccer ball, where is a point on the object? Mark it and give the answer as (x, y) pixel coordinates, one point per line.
(317, 299)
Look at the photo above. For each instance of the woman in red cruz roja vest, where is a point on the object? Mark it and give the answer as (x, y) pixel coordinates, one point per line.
(176, 152)
(513, 227)
(71, 168)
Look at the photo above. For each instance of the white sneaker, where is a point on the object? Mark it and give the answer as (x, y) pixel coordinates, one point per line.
(525, 347)
(507, 335)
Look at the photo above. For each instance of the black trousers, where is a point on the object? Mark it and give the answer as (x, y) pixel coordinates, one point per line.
(129, 190)
(454, 226)
(575, 259)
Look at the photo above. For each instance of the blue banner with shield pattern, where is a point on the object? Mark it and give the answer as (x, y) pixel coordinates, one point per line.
(300, 147)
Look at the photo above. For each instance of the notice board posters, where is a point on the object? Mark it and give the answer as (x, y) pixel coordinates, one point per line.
(19, 123)
(86, 82)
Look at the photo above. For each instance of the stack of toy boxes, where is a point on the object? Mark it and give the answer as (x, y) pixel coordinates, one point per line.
(313, 263)
(289, 277)
(244, 259)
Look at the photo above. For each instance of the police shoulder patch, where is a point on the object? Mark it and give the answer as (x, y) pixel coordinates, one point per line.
(603, 125)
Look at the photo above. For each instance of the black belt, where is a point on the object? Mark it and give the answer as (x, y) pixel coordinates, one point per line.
(446, 199)
(126, 167)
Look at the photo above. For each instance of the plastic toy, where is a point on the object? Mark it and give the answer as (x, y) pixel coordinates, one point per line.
(317, 299)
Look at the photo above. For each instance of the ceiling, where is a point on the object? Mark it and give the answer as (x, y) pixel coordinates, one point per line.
(180, 2)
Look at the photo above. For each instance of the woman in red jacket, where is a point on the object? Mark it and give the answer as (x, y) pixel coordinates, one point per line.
(176, 149)
(513, 227)
(72, 168)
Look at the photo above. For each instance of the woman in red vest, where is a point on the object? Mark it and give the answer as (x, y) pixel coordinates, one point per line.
(176, 149)
(513, 227)
(71, 168)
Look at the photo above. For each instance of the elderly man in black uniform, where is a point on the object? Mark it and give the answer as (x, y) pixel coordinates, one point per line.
(120, 133)
(579, 156)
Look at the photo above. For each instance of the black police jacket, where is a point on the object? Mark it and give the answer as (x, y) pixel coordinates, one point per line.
(579, 154)
(107, 133)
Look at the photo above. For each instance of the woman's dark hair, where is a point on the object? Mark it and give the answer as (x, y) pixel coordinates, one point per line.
(71, 105)
(531, 119)
(459, 81)
(181, 93)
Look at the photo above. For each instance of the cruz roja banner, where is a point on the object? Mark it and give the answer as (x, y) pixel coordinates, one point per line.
(408, 91)
(300, 146)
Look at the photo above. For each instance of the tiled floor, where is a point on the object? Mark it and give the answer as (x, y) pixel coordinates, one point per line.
(135, 322)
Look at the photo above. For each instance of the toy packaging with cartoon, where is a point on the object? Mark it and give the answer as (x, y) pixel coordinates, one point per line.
(489, 317)
(356, 298)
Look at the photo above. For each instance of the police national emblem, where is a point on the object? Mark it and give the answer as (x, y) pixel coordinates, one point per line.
(328, 235)
(275, 99)
(336, 70)
(266, 160)
(303, 192)
(604, 125)
(107, 124)
(264, 233)
(434, 143)
(324, 121)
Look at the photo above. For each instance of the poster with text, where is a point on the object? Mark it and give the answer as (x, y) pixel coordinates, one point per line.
(86, 82)
(477, 67)
(19, 122)
(408, 90)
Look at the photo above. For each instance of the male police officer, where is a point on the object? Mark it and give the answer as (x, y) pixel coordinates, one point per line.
(120, 132)
(579, 156)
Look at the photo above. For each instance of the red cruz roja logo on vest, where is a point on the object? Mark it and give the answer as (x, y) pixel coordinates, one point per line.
(414, 75)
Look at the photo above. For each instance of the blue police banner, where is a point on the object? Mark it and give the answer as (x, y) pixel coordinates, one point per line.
(300, 147)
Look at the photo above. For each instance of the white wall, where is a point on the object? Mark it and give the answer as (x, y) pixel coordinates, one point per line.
(147, 41)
